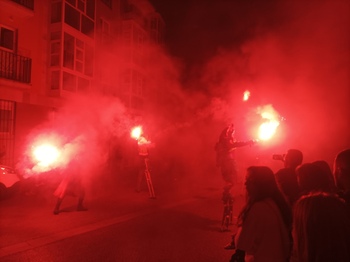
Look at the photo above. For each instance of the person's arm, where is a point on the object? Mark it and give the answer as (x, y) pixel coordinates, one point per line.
(236, 144)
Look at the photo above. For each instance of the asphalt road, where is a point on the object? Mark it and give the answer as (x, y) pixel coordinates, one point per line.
(126, 227)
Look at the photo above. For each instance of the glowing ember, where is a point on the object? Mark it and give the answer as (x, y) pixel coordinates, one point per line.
(271, 121)
(136, 132)
(246, 95)
(46, 154)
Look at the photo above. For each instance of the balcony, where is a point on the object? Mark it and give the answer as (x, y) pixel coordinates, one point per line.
(18, 8)
(26, 3)
(15, 67)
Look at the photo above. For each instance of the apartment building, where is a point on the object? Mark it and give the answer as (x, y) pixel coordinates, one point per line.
(53, 49)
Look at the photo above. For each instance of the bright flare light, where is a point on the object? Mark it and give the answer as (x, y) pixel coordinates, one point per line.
(46, 154)
(136, 132)
(269, 127)
(246, 95)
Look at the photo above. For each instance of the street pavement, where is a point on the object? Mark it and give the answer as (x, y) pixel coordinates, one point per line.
(27, 221)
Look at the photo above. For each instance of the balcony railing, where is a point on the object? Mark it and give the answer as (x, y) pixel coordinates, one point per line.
(15, 67)
(26, 3)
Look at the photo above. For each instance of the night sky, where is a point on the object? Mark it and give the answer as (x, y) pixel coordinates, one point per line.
(196, 30)
(293, 55)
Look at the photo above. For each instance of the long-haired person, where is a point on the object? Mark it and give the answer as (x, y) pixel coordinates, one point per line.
(313, 178)
(264, 224)
(321, 229)
(341, 171)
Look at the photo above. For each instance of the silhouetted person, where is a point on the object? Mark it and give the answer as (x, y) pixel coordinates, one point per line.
(321, 229)
(225, 154)
(143, 158)
(312, 178)
(327, 170)
(71, 185)
(264, 224)
(286, 178)
(341, 172)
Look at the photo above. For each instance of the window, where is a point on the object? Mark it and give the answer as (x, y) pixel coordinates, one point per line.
(105, 27)
(55, 50)
(68, 56)
(5, 124)
(106, 37)
(72, 17)
(55, 80)
(89, 60)
(87, 25)
(74, 83)
(6, 116)
(78, 55)
(7, 38)
(80, 15)
(7, 131)
(72, 2)
(55, 53)
(56, 12)
(107, 3)
(90, 9)
(55, 35)
(69, 82)
(81, 5)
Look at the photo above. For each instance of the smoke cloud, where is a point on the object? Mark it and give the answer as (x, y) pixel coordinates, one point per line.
(292, 56)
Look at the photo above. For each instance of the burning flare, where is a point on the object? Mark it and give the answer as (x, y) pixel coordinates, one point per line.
(246, 95)
(46, 154)
(50, 151)
(270, 122)
(136, 132)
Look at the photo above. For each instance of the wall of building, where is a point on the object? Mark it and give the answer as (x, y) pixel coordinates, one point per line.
(34, 100)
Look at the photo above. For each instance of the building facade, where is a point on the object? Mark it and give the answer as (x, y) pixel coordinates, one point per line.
(51, 50)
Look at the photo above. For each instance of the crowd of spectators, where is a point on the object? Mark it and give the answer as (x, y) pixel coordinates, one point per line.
(300, 213)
